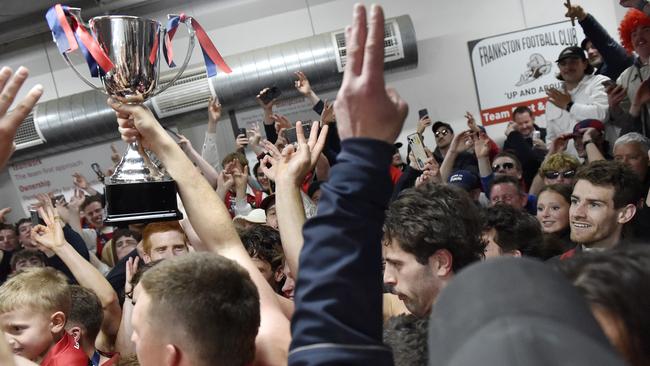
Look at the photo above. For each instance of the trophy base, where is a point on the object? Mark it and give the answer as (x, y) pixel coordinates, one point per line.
(143, 202)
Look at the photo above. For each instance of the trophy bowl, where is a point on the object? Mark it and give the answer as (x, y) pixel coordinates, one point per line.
(126, 50)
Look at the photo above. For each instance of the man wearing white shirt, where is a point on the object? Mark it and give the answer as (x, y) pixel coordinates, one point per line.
(583, 96)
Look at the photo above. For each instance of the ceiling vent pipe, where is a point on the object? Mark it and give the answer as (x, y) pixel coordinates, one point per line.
(84, 119)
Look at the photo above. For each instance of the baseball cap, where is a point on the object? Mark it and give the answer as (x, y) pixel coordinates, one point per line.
(440, 124)
(398, 145)
(464, 179)
(256, 216)
(572, 52)
(586, 123)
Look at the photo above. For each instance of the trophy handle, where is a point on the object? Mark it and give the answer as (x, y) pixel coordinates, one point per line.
(188, 56)
(76, 13)
(83, 78)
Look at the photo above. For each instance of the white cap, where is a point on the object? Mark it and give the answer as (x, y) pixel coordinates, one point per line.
(256, 216)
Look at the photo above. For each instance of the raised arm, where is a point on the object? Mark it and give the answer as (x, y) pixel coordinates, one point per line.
(289, 169)
(304, 87)
(209, 151)
(51, 237)
(209, 172)
(211, 220)
(338, 318)
(461, 142)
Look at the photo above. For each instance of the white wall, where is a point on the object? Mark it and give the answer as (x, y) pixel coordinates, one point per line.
(442, 82)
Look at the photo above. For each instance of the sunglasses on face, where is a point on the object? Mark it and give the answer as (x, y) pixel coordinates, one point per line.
(441, 132)
(504, 166)
(555, 175)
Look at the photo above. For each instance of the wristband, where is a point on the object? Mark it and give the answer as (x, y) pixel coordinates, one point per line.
(568, 106)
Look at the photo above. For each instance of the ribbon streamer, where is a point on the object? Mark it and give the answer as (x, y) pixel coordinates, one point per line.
(211, 56)
(69, 36)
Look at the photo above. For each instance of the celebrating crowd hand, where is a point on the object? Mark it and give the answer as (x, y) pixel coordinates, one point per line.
(80, 181)
(214, 110)
(423, 123)
(364, 107)
(560, 99)
(281, 121)
(50, 235)
(183, 142)
(3, 213)
(241, 141)
(560, 143)
(575, 12)
(327, 115)
(9, 122)
(115, 155)
(482, 146)
(302, 84)
(266, 106)
(131, 269)
(462, 142)
(615, 95)
(293, 165)
(471, 122)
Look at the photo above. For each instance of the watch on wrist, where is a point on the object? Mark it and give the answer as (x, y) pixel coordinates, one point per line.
(568, 106)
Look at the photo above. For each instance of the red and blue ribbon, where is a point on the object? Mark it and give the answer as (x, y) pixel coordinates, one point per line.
(70, 35)
(211, 56)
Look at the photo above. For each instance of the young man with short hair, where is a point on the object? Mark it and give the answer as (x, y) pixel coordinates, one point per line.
(163, 240)
(430, 233)
(511, 231)
(604, 199)
(507, 190)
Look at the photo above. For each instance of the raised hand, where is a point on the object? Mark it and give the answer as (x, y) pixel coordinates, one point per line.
(560, 143)
(471, 122)
(131, 270)
(302, 84)
(281, 121)
(268, 107)
(575, 11)
(292, 166)
(214, 110)
(462, 141)
(423, 123)
(79, 181)
(9, 86)
(241, 141)
(115, 155)
(48, 236)
(615, 95)
(364, 107)
(3, 213)
(560, 99)
(327, 115)
(482, 146)
(184, 143)
(137, 123)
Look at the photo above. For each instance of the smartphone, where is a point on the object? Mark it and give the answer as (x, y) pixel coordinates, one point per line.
(33, 216)
(416, 145)
(292, 137)
(423, 112)
(241, 131)
(272, 93)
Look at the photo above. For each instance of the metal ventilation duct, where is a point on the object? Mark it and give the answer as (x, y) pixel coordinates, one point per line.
(84, 119)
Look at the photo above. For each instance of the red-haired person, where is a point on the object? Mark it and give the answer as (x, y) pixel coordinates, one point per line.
(628, 101)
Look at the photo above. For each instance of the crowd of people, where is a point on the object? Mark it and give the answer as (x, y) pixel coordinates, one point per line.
(283, 263)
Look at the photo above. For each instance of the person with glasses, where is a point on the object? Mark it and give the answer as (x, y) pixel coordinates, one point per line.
(559, 168)
(444, 136)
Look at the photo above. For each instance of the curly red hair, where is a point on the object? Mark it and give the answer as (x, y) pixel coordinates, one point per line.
(631, 21)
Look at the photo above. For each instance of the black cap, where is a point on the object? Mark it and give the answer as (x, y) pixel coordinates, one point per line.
(439, 124)
(584, 42)
(572, 52)
(398, 145)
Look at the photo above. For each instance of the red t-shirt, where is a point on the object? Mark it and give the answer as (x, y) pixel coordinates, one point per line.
(66, 352)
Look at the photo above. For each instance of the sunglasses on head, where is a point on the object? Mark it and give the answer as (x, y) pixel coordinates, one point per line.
(441, 132)
(504, 166)
(555, 175)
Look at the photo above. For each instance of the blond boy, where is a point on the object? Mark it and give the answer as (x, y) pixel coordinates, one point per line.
(33, 308)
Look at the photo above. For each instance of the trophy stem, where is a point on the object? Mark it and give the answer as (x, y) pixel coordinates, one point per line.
(136, 167)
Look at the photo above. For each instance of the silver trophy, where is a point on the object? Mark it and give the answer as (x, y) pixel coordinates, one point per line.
(138, 191)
